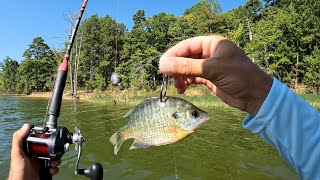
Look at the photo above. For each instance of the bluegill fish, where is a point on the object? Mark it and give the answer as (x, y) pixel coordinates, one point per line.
(155, 123)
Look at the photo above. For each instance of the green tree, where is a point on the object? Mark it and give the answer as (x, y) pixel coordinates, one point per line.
(101, 43)
(158, 41)
(38, 49)
(91, 50)
(203, 16)
(27, 81)
(132, 54)
(38, 68)
(180, 29)
(2, 88)
(9, 75)
(264, 43)
(234, 27)
(157, 31)
(111, 33)
(312, 75)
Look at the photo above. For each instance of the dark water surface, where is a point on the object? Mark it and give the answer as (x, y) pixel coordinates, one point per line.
(220, 149)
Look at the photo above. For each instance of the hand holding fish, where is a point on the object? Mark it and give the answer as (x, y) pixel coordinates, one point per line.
(219, 64)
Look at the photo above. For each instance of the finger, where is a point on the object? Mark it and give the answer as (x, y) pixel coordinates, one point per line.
(180, 66)
(180, 84)
(199, 80)
(17, 139)
(196, 47)
(55, 163)
(54, 170)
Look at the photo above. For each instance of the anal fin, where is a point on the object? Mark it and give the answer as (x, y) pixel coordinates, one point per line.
(138, 144)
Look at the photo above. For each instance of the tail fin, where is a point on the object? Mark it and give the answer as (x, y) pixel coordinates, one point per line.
(117, 141)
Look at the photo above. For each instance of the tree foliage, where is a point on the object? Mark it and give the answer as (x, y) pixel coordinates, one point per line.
(281, 37)
(37, 70)
(9, 75)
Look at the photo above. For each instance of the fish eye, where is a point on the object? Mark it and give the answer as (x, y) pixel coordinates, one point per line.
(195, 114)
(175, 115)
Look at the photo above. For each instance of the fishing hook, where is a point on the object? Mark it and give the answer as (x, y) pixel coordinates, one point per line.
(163, 88)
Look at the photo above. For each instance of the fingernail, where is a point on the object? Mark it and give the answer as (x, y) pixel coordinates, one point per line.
(180, 91)
(25, 126)
(53, 163)
(175, 81)
(54, 171)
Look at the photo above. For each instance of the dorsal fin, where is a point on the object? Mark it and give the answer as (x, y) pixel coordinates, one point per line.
(129, 113)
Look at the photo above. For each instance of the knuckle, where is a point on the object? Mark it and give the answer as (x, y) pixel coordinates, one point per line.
(15, 135)
(182, 67)
(185, 68)
(176, 67)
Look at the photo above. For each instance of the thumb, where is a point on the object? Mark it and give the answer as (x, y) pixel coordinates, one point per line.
(17, 139)
(175, 66)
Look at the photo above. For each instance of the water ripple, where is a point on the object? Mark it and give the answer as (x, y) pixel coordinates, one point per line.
(220, 149)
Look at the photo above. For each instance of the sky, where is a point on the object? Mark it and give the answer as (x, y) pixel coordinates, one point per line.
(22, 21)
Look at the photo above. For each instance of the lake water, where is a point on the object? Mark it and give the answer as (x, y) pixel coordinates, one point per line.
(220, 149)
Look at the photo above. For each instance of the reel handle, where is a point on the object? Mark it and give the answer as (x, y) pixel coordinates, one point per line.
(94, 172)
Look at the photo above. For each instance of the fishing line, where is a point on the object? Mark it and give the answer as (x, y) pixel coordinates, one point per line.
(175, 165)
(75, 113)
(117, 34)
(45, 117)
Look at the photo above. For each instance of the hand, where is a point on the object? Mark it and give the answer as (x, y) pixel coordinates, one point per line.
(220, 65)
(22, 166)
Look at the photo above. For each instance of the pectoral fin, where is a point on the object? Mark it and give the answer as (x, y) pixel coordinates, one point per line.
(137, 144)
(180, 133)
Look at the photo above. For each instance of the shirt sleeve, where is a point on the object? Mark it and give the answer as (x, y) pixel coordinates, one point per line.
(292, 126)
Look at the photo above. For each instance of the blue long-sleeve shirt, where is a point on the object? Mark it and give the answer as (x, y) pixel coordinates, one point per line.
(292, 126)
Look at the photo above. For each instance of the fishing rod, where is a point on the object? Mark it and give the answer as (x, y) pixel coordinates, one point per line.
(51, 141)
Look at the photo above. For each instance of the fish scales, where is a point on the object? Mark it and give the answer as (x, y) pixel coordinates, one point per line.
(155, 123)
(136, 124)
(153, 117)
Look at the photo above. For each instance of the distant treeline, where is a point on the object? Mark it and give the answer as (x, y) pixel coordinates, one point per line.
(280, 36)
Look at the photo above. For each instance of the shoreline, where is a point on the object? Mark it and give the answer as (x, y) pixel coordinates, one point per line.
(134, 97)
(66, 95)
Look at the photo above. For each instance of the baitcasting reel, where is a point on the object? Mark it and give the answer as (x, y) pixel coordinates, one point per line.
(51, 144)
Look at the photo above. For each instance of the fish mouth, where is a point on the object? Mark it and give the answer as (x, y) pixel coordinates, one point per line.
(204, 120)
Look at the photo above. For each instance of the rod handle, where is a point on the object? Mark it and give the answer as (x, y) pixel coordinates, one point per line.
(44, 172)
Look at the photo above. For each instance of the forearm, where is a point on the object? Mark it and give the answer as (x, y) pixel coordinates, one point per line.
(292, 126)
